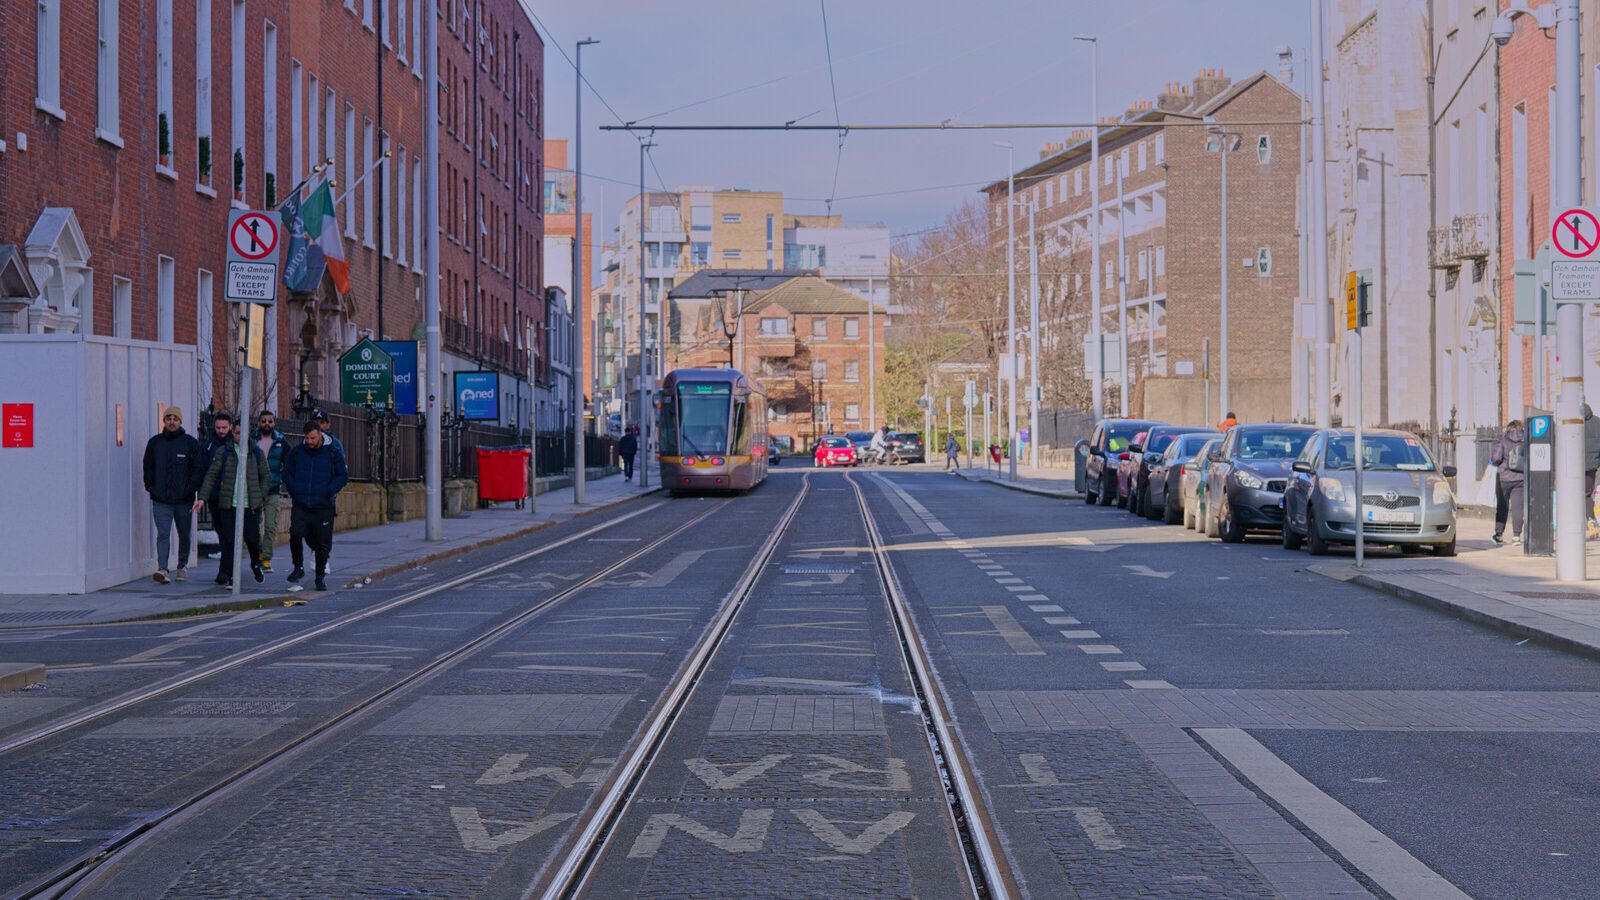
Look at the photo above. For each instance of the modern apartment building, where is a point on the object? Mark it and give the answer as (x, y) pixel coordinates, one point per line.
(130, 130)
(1160, 188)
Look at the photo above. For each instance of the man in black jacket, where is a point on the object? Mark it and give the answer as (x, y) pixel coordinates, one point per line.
(314, 472)
(628, 447)
(221, 435)
(172, 473)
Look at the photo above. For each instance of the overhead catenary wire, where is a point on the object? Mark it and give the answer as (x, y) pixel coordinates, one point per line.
(833, 88)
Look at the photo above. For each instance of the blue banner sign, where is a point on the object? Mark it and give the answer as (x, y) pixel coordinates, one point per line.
(478, 395)
(404, 354)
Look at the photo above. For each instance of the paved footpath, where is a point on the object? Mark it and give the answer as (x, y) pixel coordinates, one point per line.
(359, 556)
(1030, 480)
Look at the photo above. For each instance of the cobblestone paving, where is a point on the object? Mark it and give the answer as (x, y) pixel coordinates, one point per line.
(1420, 710)
(505, 714)
(804, 715)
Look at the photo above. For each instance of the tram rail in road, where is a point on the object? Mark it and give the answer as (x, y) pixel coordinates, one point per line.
(579, 855)
(85, 871)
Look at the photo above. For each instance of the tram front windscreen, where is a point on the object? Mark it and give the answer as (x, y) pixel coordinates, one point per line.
(697, 423)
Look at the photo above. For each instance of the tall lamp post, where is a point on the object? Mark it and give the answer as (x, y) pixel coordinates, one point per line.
(1566, 192)
(1033, 342)
(1011, 305)
(1322, 302)
(432, 460)
(1224, 146)
(644, 398)
(578, 328)
(1099, 362)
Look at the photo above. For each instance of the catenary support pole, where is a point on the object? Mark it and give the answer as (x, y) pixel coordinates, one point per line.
(1011, 312)
(1222, 390)
(433, 473)
(533, 423)
(1322, 301)
(1097, 351)
(1567, 184)
(644, 384)
(1033, 340)
(1124, 369)
(578, 329)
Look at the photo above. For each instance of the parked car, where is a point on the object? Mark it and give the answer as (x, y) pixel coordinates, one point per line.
(1125, 470)
(1244, 486)
(1162, 497)
(1193, 482)
(1406, 497)
(835, 450)
(1133, 476)
(907, 446)
(861, 440)
(1108, 446)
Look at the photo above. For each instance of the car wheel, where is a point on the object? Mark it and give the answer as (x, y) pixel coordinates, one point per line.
(1230, 530)
(1314, 541)
(1090, 497)
(1211, 522)
(1291, 538)
(1188, 518)
(1445, 549)
(1106, 496)
(1171, 513)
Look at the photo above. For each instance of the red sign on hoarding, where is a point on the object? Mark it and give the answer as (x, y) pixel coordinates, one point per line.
(17, 420)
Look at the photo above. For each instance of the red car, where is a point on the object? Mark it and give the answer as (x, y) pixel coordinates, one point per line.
(835, 450)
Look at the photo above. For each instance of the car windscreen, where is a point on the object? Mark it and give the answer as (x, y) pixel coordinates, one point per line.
(1190, 444)
(1384, 451)
(1271, 444)
(858, 436)
(835, 442)
(906, 436)
(1118, 437)
(1158, 443)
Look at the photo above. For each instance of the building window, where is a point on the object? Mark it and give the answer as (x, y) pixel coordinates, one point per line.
(732, 218)
(1161, 149)
(1124, 170)
(1161, 260)
(269, 117)
(700, 253)
(819, 370)
(1264, 262)
(852, 412)
(108, 104)
(852, 370)
(121, 307)
(49, 58)
(1264, 149)
(732, 254)
(202, 96)
(852, 328)
(349, 170)
(202, 333)
(775, 327)
(819, 328)
(366, 13)
(416, 38)
(400, 30)
(367, 200)
(401, 192)
(1049, 193)
(416, 215)
(386, 199)
(699, 218)
(1110, 169)
(313, 123)
(1111, 269)
(1077, 182)
(1143, 160)
(296, 113)
(236, 99)
(1144, 265)
(164, 123)
(165, 306)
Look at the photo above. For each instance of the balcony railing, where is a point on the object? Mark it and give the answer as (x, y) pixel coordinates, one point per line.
(1442, 248)
(1471, 236)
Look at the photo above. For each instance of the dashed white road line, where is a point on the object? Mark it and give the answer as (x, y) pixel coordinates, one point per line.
(1122, 666)
(1100, 649)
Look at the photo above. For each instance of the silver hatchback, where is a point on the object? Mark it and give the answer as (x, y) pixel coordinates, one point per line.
(1407, 499)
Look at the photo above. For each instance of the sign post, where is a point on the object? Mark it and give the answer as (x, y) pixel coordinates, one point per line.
(1574, 278)
(251, 278)
(1357, 290)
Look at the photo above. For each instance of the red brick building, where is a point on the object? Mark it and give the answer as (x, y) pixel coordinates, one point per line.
(131, 126)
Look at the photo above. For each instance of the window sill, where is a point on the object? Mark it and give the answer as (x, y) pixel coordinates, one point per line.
(112, 139)
(49, 109)
(167, 172)
(238, 204)
(205, 189)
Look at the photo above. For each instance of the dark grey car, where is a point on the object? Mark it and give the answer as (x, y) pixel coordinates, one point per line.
(1244, 487)
(1163, 496)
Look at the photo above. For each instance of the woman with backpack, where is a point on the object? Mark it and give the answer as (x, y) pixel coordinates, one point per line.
(1510, 459)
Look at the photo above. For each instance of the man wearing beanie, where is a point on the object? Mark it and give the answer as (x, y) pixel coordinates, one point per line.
(172, 474)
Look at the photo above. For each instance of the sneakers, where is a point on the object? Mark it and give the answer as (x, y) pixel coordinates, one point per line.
(161, 576)
(255, 569)
(222, 579)
(181, 575)
(1498, 538)
(297, 574)
(321, 585)
(1516, 539)
(266, 565)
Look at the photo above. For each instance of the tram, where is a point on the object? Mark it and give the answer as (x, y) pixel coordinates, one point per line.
(712, 425)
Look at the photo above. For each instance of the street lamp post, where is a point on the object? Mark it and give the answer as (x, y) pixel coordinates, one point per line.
(1099, 362)
(1566, 192)
(433, 476)
(577, 284)
(644, 399)
(1224, 146)
(1322, 302)
(1033, 341)
(1122, 293)
(1011, 305)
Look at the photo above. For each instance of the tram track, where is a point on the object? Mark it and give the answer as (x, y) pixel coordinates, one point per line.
(85, 871)
(572, 871)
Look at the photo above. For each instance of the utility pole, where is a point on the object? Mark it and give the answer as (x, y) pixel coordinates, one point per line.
(433, 476)
(1224, 139)
(1011, 307)
(533, 425)
(1319, 227)
(644, 399)
(1033, 340)
(872, 359)
(1122, 292)
(1568, 194)
(578, 279)
(1099, 352)
(1433, 280)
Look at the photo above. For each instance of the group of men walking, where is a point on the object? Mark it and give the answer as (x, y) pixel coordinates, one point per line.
(184, 475)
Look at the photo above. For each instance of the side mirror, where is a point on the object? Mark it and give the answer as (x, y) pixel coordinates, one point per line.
(1303, 468)
(1096, 451)
(1135, 448)
(1448, 471)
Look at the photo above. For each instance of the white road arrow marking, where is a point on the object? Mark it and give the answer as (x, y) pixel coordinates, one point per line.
(1148, 572)
(1083, 543)
(830, 579)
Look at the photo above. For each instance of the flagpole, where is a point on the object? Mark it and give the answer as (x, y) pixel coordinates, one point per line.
(357, 183)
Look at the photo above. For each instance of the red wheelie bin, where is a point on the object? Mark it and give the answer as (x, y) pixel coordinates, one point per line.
(503, 474)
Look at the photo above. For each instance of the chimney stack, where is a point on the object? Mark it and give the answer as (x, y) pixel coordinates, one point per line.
(1173, 98)
(1209, 84)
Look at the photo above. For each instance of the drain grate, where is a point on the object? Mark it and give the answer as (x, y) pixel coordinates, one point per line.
(48, 615)
(817, 569)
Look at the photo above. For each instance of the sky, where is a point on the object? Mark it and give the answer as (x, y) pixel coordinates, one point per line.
(747, 62)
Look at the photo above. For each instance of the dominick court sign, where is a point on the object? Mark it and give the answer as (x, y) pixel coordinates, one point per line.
(366, 375)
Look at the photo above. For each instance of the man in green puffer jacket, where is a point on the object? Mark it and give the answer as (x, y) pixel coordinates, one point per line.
(223, 475)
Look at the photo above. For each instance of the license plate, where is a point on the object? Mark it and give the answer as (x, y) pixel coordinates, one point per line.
(1390, 515)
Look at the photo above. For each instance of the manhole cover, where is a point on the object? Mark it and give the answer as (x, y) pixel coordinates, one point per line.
(50, 615)
(818, 569)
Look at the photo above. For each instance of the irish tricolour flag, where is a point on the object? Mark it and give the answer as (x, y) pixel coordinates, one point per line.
(314, 242)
